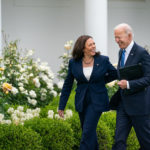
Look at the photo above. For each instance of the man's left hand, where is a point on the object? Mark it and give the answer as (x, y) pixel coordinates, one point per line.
(122, 84)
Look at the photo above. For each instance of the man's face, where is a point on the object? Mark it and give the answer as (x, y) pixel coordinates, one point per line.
(122, 38)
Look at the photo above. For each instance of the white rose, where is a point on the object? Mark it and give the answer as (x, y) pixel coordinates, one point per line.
(14, 90)
(32, 94)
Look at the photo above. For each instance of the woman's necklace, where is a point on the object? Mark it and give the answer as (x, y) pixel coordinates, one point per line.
(87, 63)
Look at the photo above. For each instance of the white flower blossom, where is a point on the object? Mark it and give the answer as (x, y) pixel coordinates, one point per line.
(1, 117)
(50, 114)
(29, 67)
(50, 85)
(14, 90)
(65, 55)
(10, 110)
(21, 88)
(62, 66)
(30, 52)
(32, 94)
(60, 84)
(44, 77)
(31, 75)
(22, 69)
(51, 75)
(25, 92)
(20, 108)
(32, 101)
(111, 84)
(36, 82)
(69, 113)
(6, 122)
(57, 116)
(43, 96)
(43, 90)
(29, 111)
(54, 93)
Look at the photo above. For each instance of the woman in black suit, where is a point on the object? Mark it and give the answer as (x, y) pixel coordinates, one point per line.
(91, 71)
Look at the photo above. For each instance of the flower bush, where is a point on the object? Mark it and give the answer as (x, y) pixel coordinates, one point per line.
(65, 59)
(68, 114)
(23, 79)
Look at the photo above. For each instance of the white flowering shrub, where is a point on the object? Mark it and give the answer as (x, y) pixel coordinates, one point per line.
(68, 114)
(19, 115)
(23, 79)
(65, 60)
(62, 73)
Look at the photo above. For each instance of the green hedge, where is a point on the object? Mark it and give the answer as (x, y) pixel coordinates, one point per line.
(53, 134)
(76, 127)
(56, 134)
(110, 119)
(104, 136)
(17, 137)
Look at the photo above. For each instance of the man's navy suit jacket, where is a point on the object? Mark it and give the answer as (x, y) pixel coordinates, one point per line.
(102, 73)
(139, 102)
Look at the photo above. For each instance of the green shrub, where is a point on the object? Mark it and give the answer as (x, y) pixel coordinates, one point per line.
(56, 134)
(14, 137)
(110, 119)
(76, 127)
(104, 136)
(132, 141)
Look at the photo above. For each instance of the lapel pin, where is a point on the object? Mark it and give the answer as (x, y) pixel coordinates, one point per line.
(131, 54)
(97, 64)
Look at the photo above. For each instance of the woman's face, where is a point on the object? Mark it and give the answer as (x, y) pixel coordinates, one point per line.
(90, 47)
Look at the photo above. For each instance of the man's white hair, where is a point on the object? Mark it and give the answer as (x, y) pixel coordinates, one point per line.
(127, 28)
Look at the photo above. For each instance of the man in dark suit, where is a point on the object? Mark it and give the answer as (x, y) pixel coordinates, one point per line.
(133, 109)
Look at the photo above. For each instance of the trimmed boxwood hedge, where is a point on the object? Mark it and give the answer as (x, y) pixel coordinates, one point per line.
(17, 137)
(56, 134)
(76, 127)
(104, 136)
(110, 119)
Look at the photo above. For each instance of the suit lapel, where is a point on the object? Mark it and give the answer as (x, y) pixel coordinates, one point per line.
(120, 53)
(131, 55)
(80, 70)
(95, 65)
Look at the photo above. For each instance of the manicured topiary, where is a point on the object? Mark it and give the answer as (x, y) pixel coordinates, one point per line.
(17, 137)
(56, 134)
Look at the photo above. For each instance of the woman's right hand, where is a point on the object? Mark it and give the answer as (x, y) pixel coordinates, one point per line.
(61, 113)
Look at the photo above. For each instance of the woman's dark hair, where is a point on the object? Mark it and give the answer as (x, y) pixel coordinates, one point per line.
(79, 45)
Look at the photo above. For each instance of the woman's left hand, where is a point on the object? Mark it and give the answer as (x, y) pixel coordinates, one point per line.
(61, 113)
